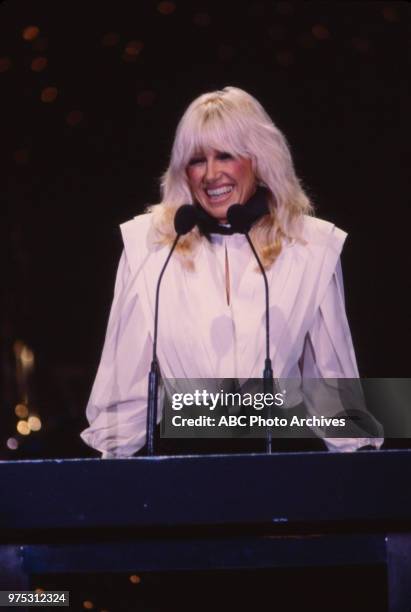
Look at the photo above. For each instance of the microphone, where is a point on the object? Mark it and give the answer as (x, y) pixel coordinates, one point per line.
(238, 218)
(184, 221)
(241, 222)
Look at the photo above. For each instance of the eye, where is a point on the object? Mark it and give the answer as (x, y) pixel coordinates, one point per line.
(224, 155)
(196, 160)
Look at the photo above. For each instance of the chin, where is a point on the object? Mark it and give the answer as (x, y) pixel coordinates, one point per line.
(222, 216)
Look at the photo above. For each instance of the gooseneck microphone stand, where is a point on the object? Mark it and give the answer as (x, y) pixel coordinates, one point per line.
(184, 221)
(238, 218)
(268, 385)
(153, 376)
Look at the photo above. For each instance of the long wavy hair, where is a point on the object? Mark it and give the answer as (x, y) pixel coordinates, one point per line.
(233, 121)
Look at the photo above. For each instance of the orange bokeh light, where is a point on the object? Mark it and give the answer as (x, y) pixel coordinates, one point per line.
(30, 32)
(39, 64)
(133, 47)
(23, 428)
(49, 94)
(135, 579)
(21, 411)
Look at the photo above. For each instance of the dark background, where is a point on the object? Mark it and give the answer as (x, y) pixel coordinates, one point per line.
(333, 76)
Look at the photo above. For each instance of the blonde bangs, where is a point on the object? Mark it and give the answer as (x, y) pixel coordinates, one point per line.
(211, 130)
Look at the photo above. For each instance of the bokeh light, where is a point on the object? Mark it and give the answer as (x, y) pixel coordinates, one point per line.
(23, 428)
(132, 49)
(49, 94)
(30, 32)
(12, 444)
(27, 357)
(21, 411)
(34, 423)
(88, 605)
(134, 579)
(39, 64)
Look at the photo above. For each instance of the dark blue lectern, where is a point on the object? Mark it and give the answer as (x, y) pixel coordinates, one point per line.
(208, 512)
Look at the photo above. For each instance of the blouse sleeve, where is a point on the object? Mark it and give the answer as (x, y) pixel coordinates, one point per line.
(328, 357)
(117, 407)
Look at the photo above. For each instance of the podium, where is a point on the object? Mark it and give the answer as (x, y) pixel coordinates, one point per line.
(208, 512)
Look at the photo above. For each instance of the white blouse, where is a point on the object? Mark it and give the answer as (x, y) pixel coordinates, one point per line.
(203, 335)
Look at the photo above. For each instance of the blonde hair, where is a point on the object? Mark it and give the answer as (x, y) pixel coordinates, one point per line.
(231, 120)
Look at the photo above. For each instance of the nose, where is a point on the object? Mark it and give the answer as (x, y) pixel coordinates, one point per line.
(212, 171)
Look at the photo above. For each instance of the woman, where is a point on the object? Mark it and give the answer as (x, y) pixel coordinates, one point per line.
(212, 320)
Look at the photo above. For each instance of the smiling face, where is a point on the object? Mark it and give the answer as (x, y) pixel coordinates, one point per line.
(217, 180)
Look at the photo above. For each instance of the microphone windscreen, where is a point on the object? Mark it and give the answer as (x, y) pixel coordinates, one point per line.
(237, 217)
(185, 219)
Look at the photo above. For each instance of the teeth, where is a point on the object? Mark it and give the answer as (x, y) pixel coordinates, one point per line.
(219, 191)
